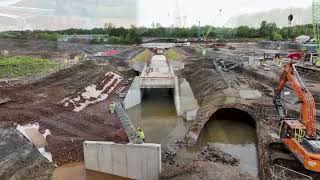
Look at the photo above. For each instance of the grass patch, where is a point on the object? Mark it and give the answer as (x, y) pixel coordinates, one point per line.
(144, 56)
(171, 54)
(23, 65)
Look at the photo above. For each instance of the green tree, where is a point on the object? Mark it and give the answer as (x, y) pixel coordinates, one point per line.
(276, 36)
(266, 29)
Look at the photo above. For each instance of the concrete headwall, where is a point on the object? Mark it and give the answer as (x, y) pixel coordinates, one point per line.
(133, 96)
(135, 161)
(189, 104)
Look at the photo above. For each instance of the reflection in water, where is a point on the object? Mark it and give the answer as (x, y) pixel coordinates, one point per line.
(156, 116)
(236, 138)
(76, 171)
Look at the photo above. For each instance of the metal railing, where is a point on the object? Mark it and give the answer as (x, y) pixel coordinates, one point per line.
(282, 173)
(127, 124)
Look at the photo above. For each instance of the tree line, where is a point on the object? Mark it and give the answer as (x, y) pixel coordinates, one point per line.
(134, 34)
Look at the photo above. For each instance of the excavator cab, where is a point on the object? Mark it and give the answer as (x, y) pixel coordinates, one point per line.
(292, 129)
(293, 135)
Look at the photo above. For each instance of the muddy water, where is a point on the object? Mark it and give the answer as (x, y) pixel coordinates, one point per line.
(233, 137)
(76, 171)
(157, 117)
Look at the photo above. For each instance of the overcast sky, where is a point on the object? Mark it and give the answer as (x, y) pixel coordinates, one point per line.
(163, 11)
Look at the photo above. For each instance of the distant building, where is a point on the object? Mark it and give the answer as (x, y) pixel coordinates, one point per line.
(82, 38)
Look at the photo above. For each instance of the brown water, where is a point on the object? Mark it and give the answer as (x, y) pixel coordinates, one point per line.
(76, 171)
(233, 137)
(156, 115)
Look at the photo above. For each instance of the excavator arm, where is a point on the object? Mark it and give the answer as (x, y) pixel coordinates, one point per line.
(307, 113)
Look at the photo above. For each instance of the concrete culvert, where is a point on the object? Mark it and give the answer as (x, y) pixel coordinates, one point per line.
(233, 114)
(233, 131)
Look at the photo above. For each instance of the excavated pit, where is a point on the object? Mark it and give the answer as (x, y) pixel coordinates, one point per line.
(233, 131)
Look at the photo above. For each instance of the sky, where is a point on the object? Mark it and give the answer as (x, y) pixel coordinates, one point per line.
(163, 11)
(151, 11)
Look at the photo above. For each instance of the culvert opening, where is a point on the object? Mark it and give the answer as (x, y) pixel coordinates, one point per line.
(157, 116)
(234, 132)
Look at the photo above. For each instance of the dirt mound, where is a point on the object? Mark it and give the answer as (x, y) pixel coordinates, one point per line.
(206, 170)
(213, 154)
(94, 93)
(204, 80)
(40, 102)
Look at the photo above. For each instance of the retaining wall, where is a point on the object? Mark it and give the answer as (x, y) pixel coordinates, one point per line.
(135, 161)
(133, 96)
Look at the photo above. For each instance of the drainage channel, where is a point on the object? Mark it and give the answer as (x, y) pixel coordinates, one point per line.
(157, 116)
(235, 134)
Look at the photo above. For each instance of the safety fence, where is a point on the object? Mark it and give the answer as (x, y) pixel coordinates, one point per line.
(283, 173)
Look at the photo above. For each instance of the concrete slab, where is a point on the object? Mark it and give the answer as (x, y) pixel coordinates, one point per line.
(90, 151)
(104, 156)
(133, 96)
(36, 137)
(136, 161)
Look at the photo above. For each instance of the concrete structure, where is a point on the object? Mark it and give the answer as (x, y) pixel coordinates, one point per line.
(189, 104)
(157, 73)
(159, 45)
(135, 161)
(133, 96)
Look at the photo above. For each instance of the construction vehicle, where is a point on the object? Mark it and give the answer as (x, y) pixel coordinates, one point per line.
(299, 137)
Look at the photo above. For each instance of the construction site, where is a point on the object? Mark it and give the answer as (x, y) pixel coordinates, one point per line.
(165, 108)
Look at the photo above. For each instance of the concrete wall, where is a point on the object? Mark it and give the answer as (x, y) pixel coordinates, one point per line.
(157, 82)
(176, 95)
(133, 96)
(134, 161)
(189, 104)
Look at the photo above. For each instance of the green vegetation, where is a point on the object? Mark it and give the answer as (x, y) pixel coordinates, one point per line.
(48, 36)
(23, 65)
(171, 54)
(143, 56)
(133, 35)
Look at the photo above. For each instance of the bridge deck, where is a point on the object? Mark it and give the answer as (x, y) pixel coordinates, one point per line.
(157, 74)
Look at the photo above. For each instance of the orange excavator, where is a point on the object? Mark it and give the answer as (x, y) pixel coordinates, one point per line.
(299, 137)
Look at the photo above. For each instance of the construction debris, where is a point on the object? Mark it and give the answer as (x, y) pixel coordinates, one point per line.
(4, 100)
